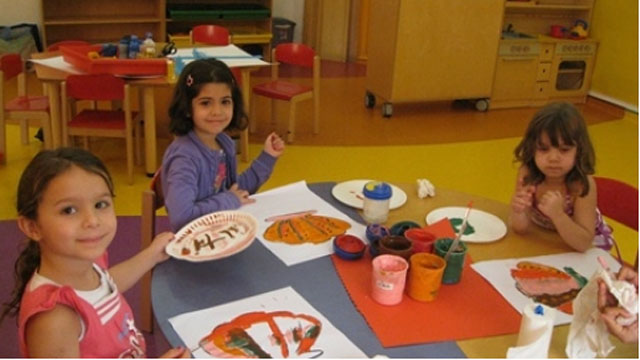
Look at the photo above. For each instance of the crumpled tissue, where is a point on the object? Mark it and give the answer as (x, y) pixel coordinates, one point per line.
(536, 329)
(588, 335)
(425, 188)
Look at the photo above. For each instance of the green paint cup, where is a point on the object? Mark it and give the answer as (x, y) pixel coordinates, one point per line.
(455, 265)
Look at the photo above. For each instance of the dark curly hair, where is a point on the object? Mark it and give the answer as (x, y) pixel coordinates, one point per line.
(558, 121)
(195, 75)
(43, 168)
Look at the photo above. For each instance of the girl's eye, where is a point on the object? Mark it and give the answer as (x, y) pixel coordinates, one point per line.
(227, 101)
(565, 149)
(103, 204)
(543, 148)
(69, 210)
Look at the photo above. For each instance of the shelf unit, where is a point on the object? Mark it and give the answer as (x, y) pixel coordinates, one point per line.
(99, 21)
(534, 68)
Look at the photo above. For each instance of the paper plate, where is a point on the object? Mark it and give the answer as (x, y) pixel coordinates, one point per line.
(350, 193)
(214, 236)
(486, 227)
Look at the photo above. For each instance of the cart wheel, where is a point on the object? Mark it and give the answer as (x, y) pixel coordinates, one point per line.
(369, 100)
(387, 109)
(482, 105)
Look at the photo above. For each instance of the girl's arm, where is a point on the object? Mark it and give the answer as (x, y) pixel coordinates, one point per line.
(54, 334)
(180, 186)
(127, 273)
(521, 203)
(260, 170)
(579, 231)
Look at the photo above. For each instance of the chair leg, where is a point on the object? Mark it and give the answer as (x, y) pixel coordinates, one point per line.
(253, 124)
(292, 122)
(316, 113)
(24, 131)
(46, 133)
(274, 114)
(129, 142)
(138, 134)
(3, 140)
(244, 145)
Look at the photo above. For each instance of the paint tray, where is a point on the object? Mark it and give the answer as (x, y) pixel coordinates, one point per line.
(78, 56)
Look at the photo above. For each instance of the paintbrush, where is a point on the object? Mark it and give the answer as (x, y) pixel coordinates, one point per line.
(463, 227)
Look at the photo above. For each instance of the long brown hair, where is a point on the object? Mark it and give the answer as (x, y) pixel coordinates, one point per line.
(558, 121)
(43, 168)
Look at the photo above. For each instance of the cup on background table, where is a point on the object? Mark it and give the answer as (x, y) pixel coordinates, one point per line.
(425, 276)
(388, 279)
(421, 239)
(455, 264)
(396, 245)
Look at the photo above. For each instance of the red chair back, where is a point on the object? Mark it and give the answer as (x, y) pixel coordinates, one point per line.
(11, 65)
(210, 34)
(95, 87)
(295, 54)
(56, 46)
(618, 201)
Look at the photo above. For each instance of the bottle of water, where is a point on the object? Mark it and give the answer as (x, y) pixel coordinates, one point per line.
(123, 48)
(148, 46)
(134, 47)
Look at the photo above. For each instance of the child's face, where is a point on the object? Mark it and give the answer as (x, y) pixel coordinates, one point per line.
(554, 162)
(76, 219)
(212, 109)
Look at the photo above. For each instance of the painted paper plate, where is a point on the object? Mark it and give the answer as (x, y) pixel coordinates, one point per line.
(214, 236)
(481, 226)
(350, 193)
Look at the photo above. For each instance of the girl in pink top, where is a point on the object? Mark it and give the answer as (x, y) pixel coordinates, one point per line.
(554, 187)
(68, 304)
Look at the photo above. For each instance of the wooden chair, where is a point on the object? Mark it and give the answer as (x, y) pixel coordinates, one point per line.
(24, 110)
(95, 122)
(619, 201)
(210, 35)
(297, 55)
(56, 46)
(152, 200)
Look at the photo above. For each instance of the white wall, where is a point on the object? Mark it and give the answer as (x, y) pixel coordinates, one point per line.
(291, 10)
(20, 11)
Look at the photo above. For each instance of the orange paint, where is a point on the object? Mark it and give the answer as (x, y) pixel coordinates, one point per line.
(304, 227)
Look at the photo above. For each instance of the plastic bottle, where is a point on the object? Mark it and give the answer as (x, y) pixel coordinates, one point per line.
(148, 46)
(134, 47)
(377, 196)
(123, 48)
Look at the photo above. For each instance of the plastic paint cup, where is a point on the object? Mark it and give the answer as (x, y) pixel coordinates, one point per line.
(421, 239)
(425, 276)
(396, 245)
(455, 265)
(388, 279)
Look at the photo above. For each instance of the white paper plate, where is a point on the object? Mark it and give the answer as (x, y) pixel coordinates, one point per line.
(214, 236)
(350, 193)
(487, 227)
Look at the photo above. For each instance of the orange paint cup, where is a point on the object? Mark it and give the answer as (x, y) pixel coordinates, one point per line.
(425, 276)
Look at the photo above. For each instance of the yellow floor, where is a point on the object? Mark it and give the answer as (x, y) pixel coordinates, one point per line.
(481, 167)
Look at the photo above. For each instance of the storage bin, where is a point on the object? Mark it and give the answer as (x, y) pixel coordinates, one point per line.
(282, 30)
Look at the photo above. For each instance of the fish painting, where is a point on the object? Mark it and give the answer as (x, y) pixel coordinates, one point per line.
(304, 227)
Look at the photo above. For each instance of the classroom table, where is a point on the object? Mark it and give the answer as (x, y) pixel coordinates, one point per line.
(52, 78)
(180, 286)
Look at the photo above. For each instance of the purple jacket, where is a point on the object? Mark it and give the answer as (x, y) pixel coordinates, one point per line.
(189, 171)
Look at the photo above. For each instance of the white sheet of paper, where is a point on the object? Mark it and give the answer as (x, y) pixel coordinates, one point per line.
(57, 62)
(231, 55)
(498, 273)
(193, 326)
(292, 198)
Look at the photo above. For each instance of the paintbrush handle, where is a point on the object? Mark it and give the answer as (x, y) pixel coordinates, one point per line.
(463, 227)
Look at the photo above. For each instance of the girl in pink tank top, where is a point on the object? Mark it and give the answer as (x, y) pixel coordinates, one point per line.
(555, 188)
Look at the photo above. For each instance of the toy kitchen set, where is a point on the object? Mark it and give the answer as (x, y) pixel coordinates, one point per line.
(545, 53)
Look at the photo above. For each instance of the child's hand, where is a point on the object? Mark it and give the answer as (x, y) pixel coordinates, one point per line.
(552, 204)
(158, 244)
(176, 353)
(274, 145)
(523, 197)
(243, 195)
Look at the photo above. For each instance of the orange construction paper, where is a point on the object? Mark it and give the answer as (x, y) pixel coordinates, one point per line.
(470, 309)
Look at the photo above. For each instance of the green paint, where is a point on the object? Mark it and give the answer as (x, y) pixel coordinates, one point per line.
(457, 222)
(582, 281)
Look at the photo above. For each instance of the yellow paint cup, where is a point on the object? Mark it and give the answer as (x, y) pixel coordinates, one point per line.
(425, 276)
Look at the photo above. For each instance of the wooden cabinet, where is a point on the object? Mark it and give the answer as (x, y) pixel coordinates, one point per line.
(99, 21)
(431, 50)
(559, 68)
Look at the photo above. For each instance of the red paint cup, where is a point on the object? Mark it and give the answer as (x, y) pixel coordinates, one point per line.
(422, 240)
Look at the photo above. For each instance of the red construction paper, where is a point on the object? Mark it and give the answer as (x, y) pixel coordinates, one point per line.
(470, 309)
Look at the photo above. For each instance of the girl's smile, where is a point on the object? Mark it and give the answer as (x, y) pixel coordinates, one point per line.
(212, 111)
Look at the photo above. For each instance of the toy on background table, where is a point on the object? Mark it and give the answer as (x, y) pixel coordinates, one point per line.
(579, 30)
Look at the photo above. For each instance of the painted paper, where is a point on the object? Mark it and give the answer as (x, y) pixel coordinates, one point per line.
(276, 324)
(553, 280)
(315, 223)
